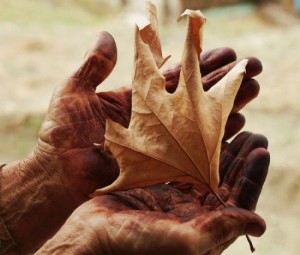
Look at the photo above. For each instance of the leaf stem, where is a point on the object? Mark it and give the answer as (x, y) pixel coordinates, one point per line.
(252, 248)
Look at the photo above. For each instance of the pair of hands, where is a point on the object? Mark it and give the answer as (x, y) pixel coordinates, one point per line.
(163, 219)
(175, 218)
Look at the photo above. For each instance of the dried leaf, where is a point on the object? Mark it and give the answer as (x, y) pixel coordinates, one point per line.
(150, 36)
(172, 137)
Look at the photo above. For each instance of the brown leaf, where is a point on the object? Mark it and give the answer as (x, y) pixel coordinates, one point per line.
(150, 36)
(172, 137)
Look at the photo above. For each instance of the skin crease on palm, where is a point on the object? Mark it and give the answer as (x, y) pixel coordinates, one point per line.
(76, 121)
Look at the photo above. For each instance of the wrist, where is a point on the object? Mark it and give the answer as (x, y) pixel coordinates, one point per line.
(32, 202)
(7, 243)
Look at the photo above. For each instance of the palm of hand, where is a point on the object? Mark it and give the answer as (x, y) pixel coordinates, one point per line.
(76, 120)
(168, 219)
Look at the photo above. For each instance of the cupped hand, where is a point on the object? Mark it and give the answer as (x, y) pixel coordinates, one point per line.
(175, 218)
(77, 114)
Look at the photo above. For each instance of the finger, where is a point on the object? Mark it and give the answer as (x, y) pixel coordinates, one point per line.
(215, 64)
(249, 90)
(172, 78)
(246, 141)
(236, 167)
(253, 68)
(247, 189)
(116, 105)
(210, 61)
(230, 152)
(99, 63)
(214, 59)
(235, 123)
(220, 227)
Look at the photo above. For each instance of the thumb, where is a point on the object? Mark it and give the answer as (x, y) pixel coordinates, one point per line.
(220, 227)
(99, 63)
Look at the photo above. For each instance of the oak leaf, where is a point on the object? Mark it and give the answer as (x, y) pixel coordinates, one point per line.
(171, 137)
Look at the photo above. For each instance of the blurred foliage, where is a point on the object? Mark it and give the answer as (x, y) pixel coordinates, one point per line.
(20, 135)
(78, 12)
(196, 4)
(93, 6)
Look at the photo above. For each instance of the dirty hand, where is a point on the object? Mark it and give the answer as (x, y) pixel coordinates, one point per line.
(77, 115)
(176, 218)
(65, 166)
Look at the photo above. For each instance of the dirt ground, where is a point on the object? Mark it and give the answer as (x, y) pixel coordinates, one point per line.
(37, 52)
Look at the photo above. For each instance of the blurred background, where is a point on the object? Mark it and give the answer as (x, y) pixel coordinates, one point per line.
(43, 41)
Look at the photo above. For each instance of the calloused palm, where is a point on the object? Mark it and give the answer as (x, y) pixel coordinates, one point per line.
(77, 114)
(176, 218)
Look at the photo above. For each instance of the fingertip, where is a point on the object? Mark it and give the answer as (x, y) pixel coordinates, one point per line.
(248, 91)
(213, 59)
(252, 142)
(254, 225)
(256, 228)
(106, 47)
(254, 67)
(234, 124)
(259, 140)
(234, 222)
(238, 142)
(99, 63)
(247, 189)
